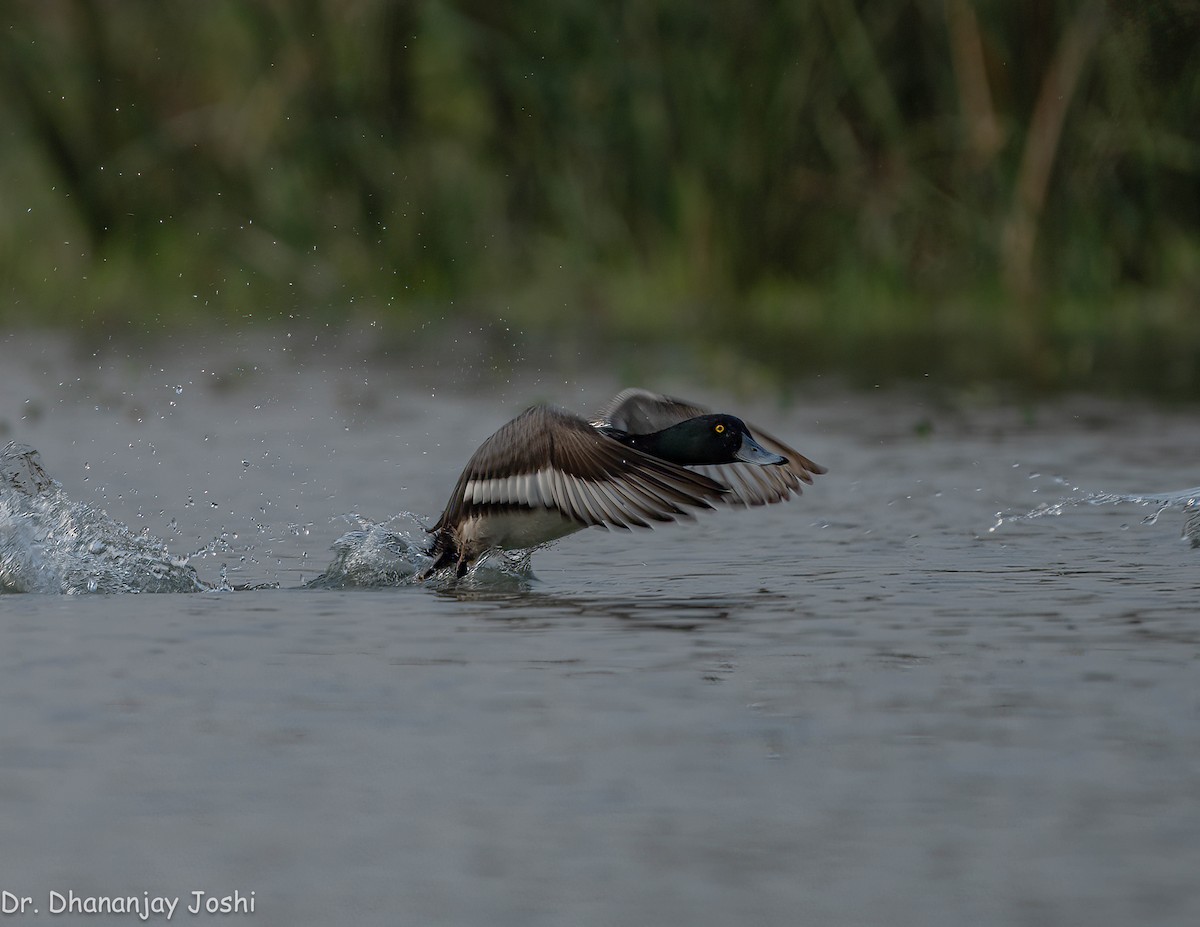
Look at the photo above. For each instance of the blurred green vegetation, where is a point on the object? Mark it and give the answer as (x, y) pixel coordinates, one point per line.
(1002, 189)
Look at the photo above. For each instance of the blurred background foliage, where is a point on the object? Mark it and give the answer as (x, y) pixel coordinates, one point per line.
(1000, 189)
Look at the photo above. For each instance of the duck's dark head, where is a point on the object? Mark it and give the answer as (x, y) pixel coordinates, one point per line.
(707, 439)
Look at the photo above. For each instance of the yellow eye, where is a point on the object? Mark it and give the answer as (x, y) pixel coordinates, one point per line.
(720, 429)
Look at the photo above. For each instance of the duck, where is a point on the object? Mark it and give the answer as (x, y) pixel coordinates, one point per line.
(647, 459)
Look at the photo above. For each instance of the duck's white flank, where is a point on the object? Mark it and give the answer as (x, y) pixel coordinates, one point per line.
(514, 529)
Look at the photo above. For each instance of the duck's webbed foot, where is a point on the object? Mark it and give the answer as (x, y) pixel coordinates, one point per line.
(444, 553)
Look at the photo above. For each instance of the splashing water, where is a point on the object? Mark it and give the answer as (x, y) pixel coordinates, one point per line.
(376, 554)
(1183, 500)
(372, 555)
(51, 543)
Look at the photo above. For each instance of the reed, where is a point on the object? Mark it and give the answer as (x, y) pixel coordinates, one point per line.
(850, 183)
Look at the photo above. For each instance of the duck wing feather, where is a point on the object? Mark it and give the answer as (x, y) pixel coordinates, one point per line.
(550, 458)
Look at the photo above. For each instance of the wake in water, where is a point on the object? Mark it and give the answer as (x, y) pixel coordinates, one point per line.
(51, 543)
(1186, 501)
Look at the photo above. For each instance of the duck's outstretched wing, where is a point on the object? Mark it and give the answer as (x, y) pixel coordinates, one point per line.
(639, 411)
(550, 458)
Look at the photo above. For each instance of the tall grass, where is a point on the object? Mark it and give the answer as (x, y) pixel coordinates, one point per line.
(992, 188)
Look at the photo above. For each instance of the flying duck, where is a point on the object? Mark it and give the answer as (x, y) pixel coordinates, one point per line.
(647, 459)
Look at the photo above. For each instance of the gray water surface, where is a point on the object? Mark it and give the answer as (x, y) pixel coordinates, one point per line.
(864, 707)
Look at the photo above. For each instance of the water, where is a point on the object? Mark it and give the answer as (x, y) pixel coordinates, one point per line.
(864, 707)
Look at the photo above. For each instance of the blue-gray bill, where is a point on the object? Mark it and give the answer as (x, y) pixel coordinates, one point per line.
(752, 452)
